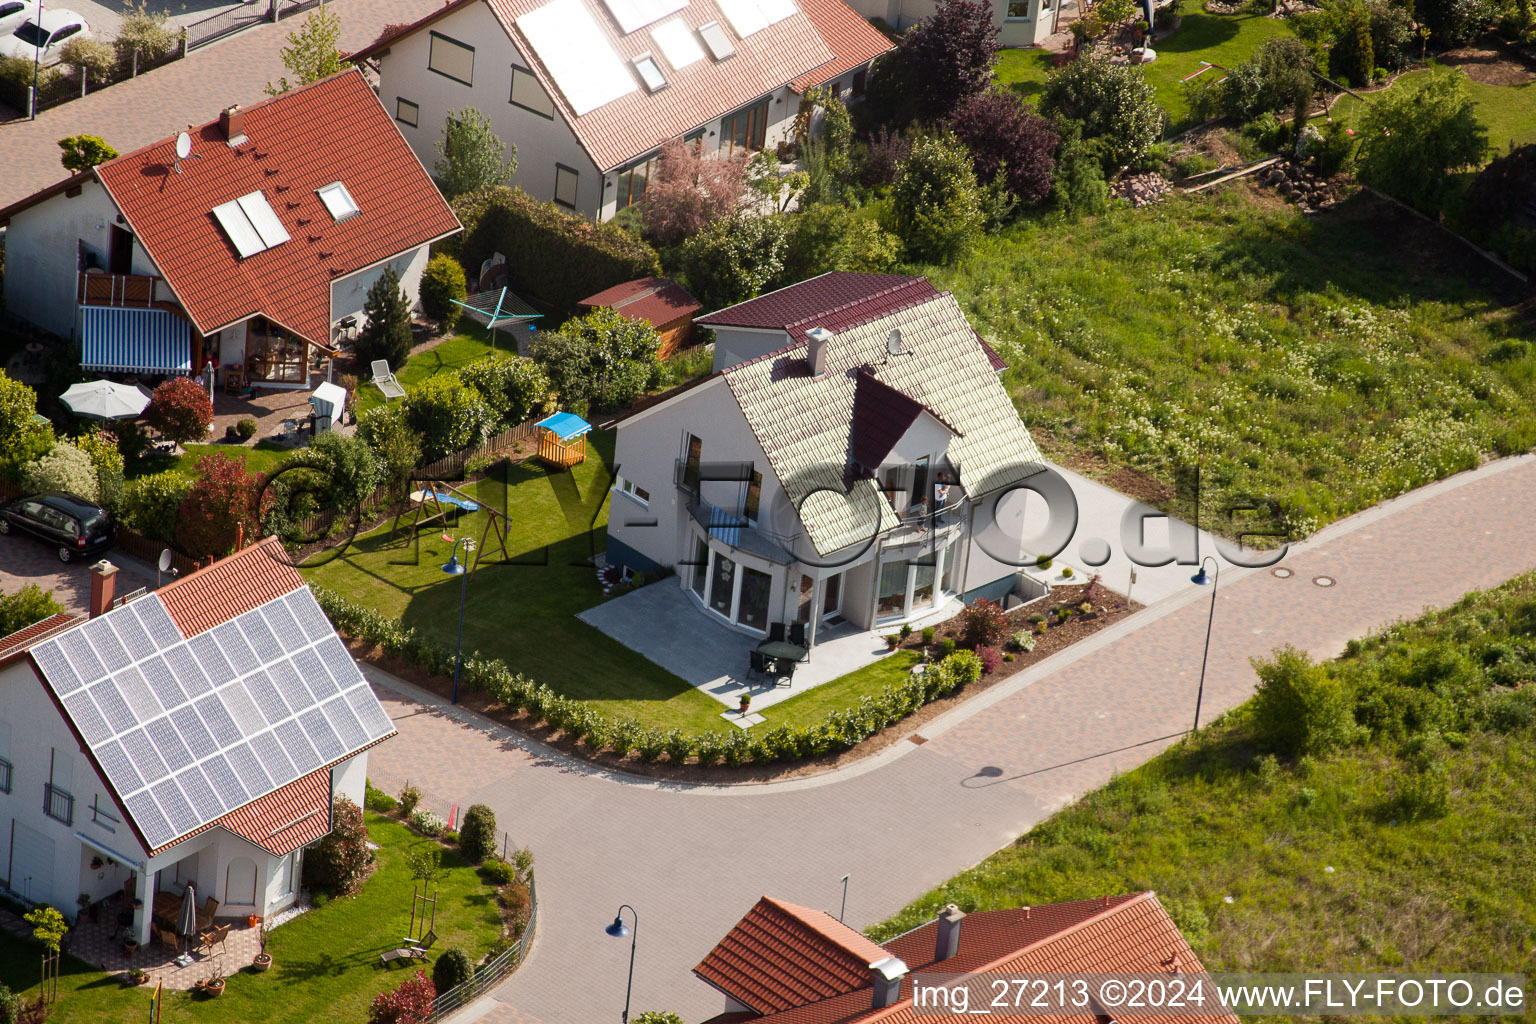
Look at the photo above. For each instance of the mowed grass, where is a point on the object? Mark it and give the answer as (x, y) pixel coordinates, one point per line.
(1507, 111)
(1318, 363)
(523, 608)
(1024, 71)
(1311, 866)
(1223, 39)
(452, 354)
(325, 962)
(815, 704)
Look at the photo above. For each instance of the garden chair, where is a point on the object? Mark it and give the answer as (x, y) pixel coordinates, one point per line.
(775, 632)
(797, 636)
(214, 938)
(757, 662)
(415, 951)
(167, 937)
(205, 916)
(385, 381)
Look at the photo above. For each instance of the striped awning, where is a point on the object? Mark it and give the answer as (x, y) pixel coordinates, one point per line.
(134, 340)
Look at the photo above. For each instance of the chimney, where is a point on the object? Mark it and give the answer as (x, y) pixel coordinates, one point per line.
(816, 350)
(102, 587)
(232, 124)
(947, 944)
(886, 974)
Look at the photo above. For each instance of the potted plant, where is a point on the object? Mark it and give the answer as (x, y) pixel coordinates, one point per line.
(130, 944)
(252, 920)
(84, 900)
(263, 959)
(213, 985)
(138, 976)
(891, 641)
(746, 702)
(95, 863)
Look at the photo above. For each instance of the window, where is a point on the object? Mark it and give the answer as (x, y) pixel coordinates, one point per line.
(58, 804)
(694, 451)
(338, 201)
(633, 181)
(754, 497)
(722, 585)
(860, 81)
(650, 72)
(565, 186)
(700, 566)
(101, 816)
(635, 491)
(407, 112)
(755, 589)
(272, 354)
(745, 130)
(452, 59)
(529, 94)
(1018, 10)
(5, 775)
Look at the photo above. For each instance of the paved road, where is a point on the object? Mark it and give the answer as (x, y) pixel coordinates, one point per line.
(160, 103)
(692, 859)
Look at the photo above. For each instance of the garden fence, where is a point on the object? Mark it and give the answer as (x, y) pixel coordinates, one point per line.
(491, 973)
(242, 16)
(57, 85)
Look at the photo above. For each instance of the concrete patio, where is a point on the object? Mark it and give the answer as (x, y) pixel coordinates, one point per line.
(662, 623)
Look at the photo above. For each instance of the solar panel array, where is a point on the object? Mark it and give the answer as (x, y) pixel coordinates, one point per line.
(678, 43)
(749, 16)
(577, 54)
(633, 14)
(189, 730)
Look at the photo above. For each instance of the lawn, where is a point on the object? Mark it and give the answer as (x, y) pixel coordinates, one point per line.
(1025, 71)
(1317, 863)
(1224, 39)
(325, 963)
(1508, 111)
(844, 692)
(524, 610)
(262, 457)
(1323, 363)
(454, 353)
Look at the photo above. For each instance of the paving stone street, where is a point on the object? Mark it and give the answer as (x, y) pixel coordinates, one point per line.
(691, 860)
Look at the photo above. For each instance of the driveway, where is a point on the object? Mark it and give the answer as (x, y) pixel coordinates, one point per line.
(25, 560)
(691, 860)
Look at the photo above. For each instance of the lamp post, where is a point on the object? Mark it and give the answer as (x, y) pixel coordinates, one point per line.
(618, 930)
(454, 567)
(1214, 579)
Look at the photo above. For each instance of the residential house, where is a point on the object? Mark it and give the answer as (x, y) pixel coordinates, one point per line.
(590, 90)
(194, 734)
(247, 251)
(1019, 22)
(665, 305)
(785, 964)
(843, 462)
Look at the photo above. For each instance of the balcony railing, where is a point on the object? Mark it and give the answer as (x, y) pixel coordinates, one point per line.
(58, 804)
(736, 530)
(138, 290)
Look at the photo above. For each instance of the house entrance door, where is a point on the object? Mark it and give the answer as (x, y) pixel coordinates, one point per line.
(120, 256)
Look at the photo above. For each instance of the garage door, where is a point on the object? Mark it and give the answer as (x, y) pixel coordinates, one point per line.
(31, 863)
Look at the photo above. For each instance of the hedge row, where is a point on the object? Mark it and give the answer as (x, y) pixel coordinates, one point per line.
(552, 255)
(839, 730)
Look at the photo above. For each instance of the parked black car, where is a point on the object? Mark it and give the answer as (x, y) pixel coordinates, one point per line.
(73, 525)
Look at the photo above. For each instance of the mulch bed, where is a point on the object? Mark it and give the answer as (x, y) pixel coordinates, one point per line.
(1489, 65)
(1109, 608)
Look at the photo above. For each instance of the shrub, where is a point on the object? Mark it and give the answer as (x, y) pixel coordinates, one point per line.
(1424, 794)
(1112, 102)
(708, 747)
(982, 623)
(141, 32)
(1276, 78)
(66, 469)
(453, 967)
(1452, 22)
(151, 504)
(689, 191)
(1299, 708)
(658, 1017)
(733, 259)
(378, 801)
(20, 608)
(1511, 712)
(89, 56)
(621, 354)
(964, 667)
(218, 505)
(557, 257)
(337, 862)
(473, 156)
(498, 871)
(1067, 572)
(947, 647)
(410, 796)
(678, 745)
(1022, 641)
(180, 410)
(928, 634)
(386, 332)
(989, 659)
(1079, 189)
(880, 157)
(82, 152)
(397, 446)
(1043, 562)
(247, 428)
(447, 415)
(410, 1002)
(477, 833)
(1333, 149)
(1497, 196)
(23, 438)
(441, 283)
(939, 63)
(428, 823)
(830, 236)
(937, 201)
(1007, 138)
(1412, 141)
(10, 1006)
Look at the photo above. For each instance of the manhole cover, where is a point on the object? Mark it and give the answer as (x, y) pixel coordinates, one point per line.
(1324, 581)
(1282, 572)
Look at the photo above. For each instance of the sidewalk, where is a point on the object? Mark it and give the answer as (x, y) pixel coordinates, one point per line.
(193, 90)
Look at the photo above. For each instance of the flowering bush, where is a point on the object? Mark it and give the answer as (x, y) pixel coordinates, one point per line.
(989, 659)
(66, 469)
(428, 823)
(221, 501)
(180, 410)
(408, 1003)
(1022, 641)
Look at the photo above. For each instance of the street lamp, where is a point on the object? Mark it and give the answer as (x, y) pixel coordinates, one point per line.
(456, 568)
(1214, 579)
(618, 930)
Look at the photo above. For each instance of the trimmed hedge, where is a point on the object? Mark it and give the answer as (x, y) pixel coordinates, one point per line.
(551, 255)
(839, 730)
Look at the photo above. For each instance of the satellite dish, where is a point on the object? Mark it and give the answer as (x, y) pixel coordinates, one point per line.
(893, 342)
(165, 560)
(183, 146)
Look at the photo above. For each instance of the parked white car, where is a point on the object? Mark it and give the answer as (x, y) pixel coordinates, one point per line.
(13, 13)
(42, 38)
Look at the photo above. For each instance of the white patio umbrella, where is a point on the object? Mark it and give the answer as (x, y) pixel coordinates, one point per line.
(187, 925)
(106, 400)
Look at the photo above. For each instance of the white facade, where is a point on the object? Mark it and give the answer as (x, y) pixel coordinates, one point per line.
(1019, 22)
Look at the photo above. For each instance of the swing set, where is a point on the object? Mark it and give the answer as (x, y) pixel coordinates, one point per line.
(440, 500)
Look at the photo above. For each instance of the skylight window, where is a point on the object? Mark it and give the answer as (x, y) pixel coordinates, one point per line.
(250, 224)
(339, 201)
(719, 44)
(677, 43)
(650, 73)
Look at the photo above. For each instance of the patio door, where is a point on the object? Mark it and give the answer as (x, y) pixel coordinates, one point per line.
(910, 587)
(831, 596)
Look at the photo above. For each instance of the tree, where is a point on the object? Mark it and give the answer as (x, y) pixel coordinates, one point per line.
(513, 388)
(338, 862)
(20, 608)
(473, 157)
(101, 446)
(1452, 22)
(733, 259)
(23, 437)
(1353, 57)
(688, 191)
(151, 504)
(658, 1017)
(66, 469)
(441, 283)
(220, 503)
(48, 926)
(1113, 12)
(1007, 138)
(312, 52)
(477, 834)
(1412, 141)
(1112, 103)
(447, 414)
(568, 365)
(408, 1003)
(180, 410)
(398, 446)
(937, 201)
(939, 63)
(830, 237)
(600, 356)
(387, 332)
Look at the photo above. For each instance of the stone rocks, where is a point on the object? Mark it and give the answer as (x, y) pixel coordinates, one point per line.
(1141, 189)
(1298, 185)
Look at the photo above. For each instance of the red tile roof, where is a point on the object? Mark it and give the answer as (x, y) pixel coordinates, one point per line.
(854, 40)
(1130, 934)
(287, 818)
(818, 296)
(232, 586)
(881, 415)
(781, 956)
(17, 643)
(655, 300)
(333, 130)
